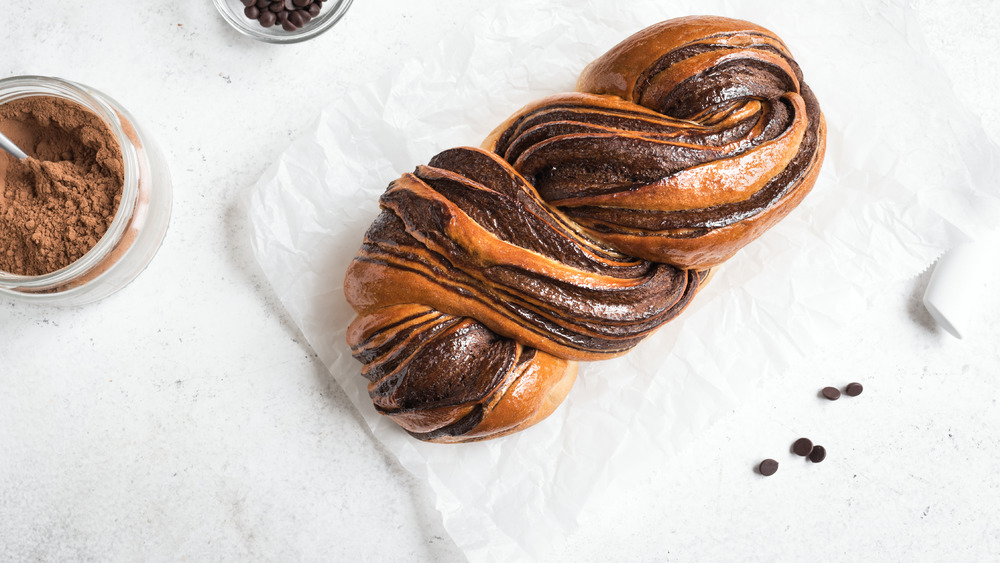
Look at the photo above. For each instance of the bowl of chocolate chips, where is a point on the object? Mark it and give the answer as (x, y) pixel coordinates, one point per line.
(282, 21)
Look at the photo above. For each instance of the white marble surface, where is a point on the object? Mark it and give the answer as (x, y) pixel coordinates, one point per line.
(184, 419)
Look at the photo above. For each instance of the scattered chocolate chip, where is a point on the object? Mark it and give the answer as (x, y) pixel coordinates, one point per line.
(817, 454)
(853, 389)
(831, 393)
(768, 467)
(802, 446)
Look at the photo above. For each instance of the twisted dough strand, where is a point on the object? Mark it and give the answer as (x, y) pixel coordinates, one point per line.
(586, 222)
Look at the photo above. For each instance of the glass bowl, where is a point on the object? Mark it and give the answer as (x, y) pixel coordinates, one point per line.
(232, 12)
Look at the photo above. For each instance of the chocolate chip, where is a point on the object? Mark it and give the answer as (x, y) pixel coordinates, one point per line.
(768, 467)
(301, 3)
(854, 389)
(249, 3)
(314, 9)
(831, 393)
(252, 12)
(297, 18)
(802, 446)
(817, 454)
(267, 19)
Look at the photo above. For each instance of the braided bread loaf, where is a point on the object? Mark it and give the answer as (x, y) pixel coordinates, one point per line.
(585, 222)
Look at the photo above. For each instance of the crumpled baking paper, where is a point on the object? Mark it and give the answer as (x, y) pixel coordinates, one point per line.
(907, 175)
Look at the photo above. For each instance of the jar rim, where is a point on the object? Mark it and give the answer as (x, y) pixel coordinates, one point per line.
(19, 87)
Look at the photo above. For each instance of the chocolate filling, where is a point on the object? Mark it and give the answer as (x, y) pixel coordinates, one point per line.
(571, 151)
(451, 367)
(587, 314)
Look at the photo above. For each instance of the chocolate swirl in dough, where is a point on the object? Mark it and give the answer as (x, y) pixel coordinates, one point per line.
(586, 222)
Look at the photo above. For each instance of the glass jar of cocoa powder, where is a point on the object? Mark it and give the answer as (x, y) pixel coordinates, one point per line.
(110, 237)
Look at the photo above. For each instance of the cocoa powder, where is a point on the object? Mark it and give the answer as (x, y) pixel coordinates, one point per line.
(56, 205)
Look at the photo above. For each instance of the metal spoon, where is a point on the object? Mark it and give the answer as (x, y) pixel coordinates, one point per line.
(7, 145)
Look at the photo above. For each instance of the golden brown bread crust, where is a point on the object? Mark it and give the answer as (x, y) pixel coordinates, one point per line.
(703, 133)
(450, 379)
(469, 237)
(616, 72)
(585, 222)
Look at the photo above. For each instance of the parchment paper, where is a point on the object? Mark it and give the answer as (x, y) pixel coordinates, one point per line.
(908, 174)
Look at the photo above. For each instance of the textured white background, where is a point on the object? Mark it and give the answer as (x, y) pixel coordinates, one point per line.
(184, 418)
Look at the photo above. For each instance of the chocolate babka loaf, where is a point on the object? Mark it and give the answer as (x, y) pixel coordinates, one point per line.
(585, 222)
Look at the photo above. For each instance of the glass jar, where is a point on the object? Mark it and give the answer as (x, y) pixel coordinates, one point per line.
(139, 224)
(232, 12)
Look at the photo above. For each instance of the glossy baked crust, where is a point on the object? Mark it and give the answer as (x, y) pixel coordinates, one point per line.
(683, 143)
(585, 222)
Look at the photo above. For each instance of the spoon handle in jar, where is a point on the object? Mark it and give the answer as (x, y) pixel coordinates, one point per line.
(10, 147)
